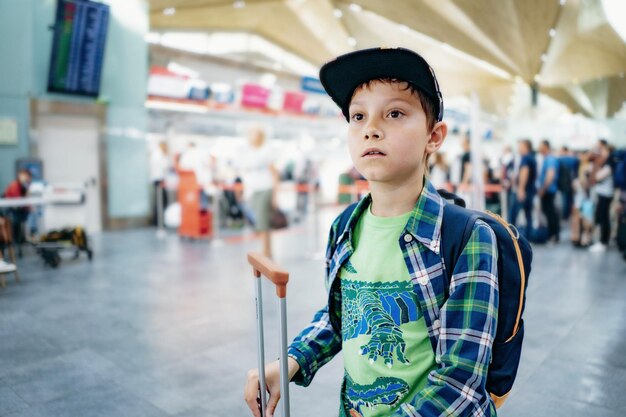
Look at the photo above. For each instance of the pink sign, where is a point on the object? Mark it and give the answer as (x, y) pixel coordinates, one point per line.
(293, 101)
(253, 95)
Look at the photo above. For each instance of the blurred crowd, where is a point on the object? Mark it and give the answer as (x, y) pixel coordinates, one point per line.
(546, 188)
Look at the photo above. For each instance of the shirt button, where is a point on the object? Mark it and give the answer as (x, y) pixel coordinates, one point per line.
(423, 280)
(436, 324)
(408, 238)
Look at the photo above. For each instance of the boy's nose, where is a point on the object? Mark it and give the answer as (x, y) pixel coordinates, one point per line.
(371, 132)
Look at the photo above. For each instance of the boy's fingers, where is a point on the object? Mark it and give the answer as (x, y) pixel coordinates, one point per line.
(272, 403)
(251, 393)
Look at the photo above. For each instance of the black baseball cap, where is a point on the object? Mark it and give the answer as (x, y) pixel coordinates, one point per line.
(341, 76)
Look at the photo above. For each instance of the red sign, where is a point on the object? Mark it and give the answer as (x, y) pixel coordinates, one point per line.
(293, 101)
(253, 95)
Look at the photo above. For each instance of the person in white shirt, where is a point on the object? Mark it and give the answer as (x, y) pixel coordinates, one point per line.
(202, 164)
(259, 179)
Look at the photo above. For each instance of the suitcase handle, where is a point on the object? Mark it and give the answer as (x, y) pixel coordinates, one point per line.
(262, 265)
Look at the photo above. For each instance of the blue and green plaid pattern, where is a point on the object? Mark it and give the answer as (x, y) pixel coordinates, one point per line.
(460, 315)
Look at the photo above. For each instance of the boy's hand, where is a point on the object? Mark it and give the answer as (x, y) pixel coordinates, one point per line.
(272, 379)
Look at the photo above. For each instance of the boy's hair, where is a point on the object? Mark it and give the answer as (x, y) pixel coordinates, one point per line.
(428, 104)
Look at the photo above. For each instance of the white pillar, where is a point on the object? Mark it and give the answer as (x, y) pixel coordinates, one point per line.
(478, 178)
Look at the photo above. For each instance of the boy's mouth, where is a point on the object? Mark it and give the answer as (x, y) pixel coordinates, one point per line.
(373, 153)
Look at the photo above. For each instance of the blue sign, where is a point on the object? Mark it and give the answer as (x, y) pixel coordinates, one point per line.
(312, 85)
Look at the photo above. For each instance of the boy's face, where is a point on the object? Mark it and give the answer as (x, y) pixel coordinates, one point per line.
(388, 137)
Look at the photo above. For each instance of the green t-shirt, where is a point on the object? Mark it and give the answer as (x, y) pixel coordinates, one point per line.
(386, 349)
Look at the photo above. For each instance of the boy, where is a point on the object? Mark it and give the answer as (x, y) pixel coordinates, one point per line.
(412, 345)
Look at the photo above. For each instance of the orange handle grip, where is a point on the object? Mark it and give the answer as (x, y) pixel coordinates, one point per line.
(262, 265)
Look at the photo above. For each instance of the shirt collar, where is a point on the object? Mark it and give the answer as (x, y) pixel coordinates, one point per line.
(424, 224)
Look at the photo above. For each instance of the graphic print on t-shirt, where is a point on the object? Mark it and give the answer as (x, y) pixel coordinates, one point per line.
(386, 349)
(377, 310)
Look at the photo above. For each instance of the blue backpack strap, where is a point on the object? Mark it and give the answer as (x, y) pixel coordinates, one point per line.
(457, 221)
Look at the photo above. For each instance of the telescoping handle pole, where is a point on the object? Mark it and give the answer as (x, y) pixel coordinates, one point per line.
(261, 265)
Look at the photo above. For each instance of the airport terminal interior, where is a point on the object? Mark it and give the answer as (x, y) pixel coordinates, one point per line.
(148, 146)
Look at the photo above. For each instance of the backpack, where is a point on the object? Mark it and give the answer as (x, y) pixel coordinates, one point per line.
(514, 262)
(564, 182)
(619, 169)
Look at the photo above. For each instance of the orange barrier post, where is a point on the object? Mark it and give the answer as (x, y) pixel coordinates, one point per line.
(196, 222)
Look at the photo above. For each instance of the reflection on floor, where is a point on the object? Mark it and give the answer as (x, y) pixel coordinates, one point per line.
(164, 327)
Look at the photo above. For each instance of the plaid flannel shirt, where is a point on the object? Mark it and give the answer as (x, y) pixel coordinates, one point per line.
(460, 317)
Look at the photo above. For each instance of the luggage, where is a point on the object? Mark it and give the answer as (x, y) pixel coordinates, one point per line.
(262, 265)
(52, 243)
(278, 219)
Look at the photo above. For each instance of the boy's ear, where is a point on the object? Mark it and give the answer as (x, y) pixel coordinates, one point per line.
(437, 136)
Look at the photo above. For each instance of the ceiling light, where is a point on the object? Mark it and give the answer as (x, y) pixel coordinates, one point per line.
(169, 11)
(355, 7)
(552, 32)
(239, 4)
(562, 2)
(338, 13)
(351, 41)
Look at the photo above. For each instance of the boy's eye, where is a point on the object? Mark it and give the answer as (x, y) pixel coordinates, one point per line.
(357, 116)
(394, 114)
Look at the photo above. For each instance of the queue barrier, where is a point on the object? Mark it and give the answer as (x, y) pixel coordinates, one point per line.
(196, 220)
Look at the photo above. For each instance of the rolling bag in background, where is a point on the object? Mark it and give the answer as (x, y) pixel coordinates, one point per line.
(263, 266)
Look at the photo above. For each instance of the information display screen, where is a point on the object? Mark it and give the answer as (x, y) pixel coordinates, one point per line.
(80, 31)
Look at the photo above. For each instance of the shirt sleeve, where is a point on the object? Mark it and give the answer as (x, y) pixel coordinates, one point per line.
(468, 328)
(314, 347)
(319, 342)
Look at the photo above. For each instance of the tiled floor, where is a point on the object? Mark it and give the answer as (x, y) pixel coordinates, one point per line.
(164, 327)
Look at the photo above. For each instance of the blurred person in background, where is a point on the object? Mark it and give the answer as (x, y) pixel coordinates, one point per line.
(582, 215)
(159, 169)
(548, 187)
(524, 185)
(260, 178)
(619, 179)
(18, 188)
(508, 165)
(466, 163)
(603, 188)
(305, 176)
(568, 172)
(439, 173)
(203, 166)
